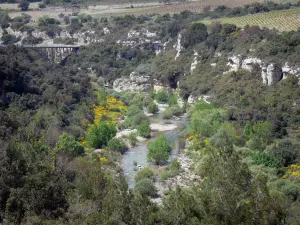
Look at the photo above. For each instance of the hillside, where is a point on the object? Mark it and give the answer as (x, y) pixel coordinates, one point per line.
(149, 119)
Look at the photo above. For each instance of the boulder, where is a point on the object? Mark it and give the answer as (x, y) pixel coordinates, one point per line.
(248, 63)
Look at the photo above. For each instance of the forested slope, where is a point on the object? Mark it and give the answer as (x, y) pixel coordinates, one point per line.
(244, 144)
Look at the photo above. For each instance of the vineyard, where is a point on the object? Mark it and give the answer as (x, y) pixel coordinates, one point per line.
(284, 20)
(121, 8)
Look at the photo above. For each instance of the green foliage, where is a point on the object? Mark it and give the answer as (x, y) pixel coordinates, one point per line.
(262, 158)
(174, 110)
(153, 108)
(247, 132)
(117, 145)
(206, 122)
(162, 97)
(145, 173)
(67, 144)
(24, 5)
(99, 134)
(159, 150)
(145, 187)
(173, 169)
(195, 33)
(144, 129)
(261, 137)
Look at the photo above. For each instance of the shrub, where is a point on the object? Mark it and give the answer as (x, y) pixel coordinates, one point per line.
(144, 129)
(24, 5)
(145, 187)
(153, 108)
(132, 138)
(162, 97)
(172, 111)
(42, 5)
(69, 145)
(9, 39)
(143, 174)
(117, 145)
(159, 150)
(99, 134)
(262, 158)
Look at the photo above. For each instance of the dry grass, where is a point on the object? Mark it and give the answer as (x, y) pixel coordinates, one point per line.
(14, 6)
(285, 20)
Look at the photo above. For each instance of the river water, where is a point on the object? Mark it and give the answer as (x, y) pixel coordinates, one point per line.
(138, 154)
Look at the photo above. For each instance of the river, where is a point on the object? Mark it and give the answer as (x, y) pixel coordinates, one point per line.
(138, 154)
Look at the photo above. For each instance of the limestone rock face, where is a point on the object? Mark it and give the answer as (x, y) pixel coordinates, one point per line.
(133, 83)
(178, 46)
(248, 63)
(195, 62)
(271, 74)
(289, 70)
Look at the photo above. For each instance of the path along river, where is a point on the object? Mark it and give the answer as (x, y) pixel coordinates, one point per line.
(138, 154)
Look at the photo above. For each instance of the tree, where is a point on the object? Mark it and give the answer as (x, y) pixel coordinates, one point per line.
(159, 150)
(195, 33)
(117, 144)
(69, 145)
(99, 134)
(24, 5)
(145, 187)
(144, 129)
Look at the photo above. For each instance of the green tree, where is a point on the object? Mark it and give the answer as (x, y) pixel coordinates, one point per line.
(247, 132)
(145, 187)
(144, 129)
(159, 150)
(24, 5)
(195, 33)
(67, 144)
(99, 134)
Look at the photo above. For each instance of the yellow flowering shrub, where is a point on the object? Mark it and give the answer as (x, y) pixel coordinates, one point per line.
(200, 144)
(293, 171)
(112, 110)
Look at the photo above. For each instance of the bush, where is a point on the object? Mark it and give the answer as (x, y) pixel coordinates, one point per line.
(117, 145)
(24, 5)
(9, 39)
(172, 111)
(153, 108)
(132, 138)
(159, 150)
(162, 97)
(99, 134)
(69, 145)
(143, 174)
(144, 129)
(145, 187)
(262, 158)
(42, 5)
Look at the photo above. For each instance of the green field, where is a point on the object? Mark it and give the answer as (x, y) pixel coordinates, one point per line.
(284, 20)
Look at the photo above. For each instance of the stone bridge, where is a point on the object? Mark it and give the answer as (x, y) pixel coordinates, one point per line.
(54, 52)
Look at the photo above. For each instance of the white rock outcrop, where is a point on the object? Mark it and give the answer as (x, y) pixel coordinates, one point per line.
(248, 63)
(195, 62)
(289, 70)
(271, 74)
(133, 83)
(178, 46)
